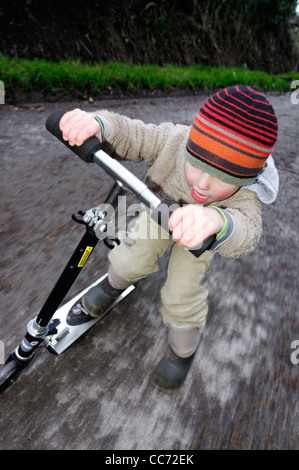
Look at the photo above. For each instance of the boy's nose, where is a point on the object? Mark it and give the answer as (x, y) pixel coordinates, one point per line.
(204, 182)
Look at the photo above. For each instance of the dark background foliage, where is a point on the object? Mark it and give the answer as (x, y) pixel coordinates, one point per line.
(182, 32)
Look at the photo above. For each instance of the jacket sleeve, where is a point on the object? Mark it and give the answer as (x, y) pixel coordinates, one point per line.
(132, 139)
(243, 228)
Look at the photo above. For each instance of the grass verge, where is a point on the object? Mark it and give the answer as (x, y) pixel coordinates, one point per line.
(38, 75)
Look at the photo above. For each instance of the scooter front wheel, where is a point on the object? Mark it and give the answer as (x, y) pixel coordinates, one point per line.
(9, 372)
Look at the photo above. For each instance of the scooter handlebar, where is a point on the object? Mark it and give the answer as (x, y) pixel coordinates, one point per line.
(86, 151)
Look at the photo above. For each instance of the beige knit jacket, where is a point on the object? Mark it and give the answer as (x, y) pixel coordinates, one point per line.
(162, 147)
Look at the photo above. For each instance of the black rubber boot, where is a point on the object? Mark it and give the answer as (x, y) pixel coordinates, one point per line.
(171, 371)
(93, 304)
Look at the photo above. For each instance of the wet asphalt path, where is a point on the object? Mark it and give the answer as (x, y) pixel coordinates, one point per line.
(242, 392)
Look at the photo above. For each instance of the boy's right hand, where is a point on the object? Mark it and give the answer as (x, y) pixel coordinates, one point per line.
(77, 126)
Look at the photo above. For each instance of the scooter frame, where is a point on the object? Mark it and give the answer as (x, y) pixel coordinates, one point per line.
(45, 327)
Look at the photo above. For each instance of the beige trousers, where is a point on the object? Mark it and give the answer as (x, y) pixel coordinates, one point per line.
(184, 299)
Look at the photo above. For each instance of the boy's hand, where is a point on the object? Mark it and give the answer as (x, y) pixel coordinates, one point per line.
(77, 126)
(192, 224)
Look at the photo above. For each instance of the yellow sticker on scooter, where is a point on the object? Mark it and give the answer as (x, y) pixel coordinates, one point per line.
(85, 256)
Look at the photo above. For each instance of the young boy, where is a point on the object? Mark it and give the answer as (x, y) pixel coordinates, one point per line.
(220, 171)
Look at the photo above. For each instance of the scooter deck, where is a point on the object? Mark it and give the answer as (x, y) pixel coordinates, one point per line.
(67, 334)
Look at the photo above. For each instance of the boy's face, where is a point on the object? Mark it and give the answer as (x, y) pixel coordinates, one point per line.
(206, 188)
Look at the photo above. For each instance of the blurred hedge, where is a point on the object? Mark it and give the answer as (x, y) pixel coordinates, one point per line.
(181, 32)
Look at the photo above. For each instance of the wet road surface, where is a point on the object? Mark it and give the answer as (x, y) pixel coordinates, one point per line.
(242, 391)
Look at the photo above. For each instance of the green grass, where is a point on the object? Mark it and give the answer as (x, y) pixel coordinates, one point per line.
(22, 75)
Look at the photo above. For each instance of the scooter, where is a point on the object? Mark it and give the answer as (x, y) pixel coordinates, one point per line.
(50, 328)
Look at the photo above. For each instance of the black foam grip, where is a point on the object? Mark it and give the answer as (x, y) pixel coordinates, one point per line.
(85, 151)
(162, 214)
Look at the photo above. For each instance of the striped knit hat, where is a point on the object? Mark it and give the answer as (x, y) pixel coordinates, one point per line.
(232, 135)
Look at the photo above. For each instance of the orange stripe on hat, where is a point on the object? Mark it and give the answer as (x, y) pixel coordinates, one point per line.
(229, 139)
(220, 149)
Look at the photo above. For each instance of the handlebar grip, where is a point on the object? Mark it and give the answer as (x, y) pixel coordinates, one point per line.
(162, 215)
(85, 151)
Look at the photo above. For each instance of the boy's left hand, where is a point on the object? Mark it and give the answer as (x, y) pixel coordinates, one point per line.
(192, 224)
